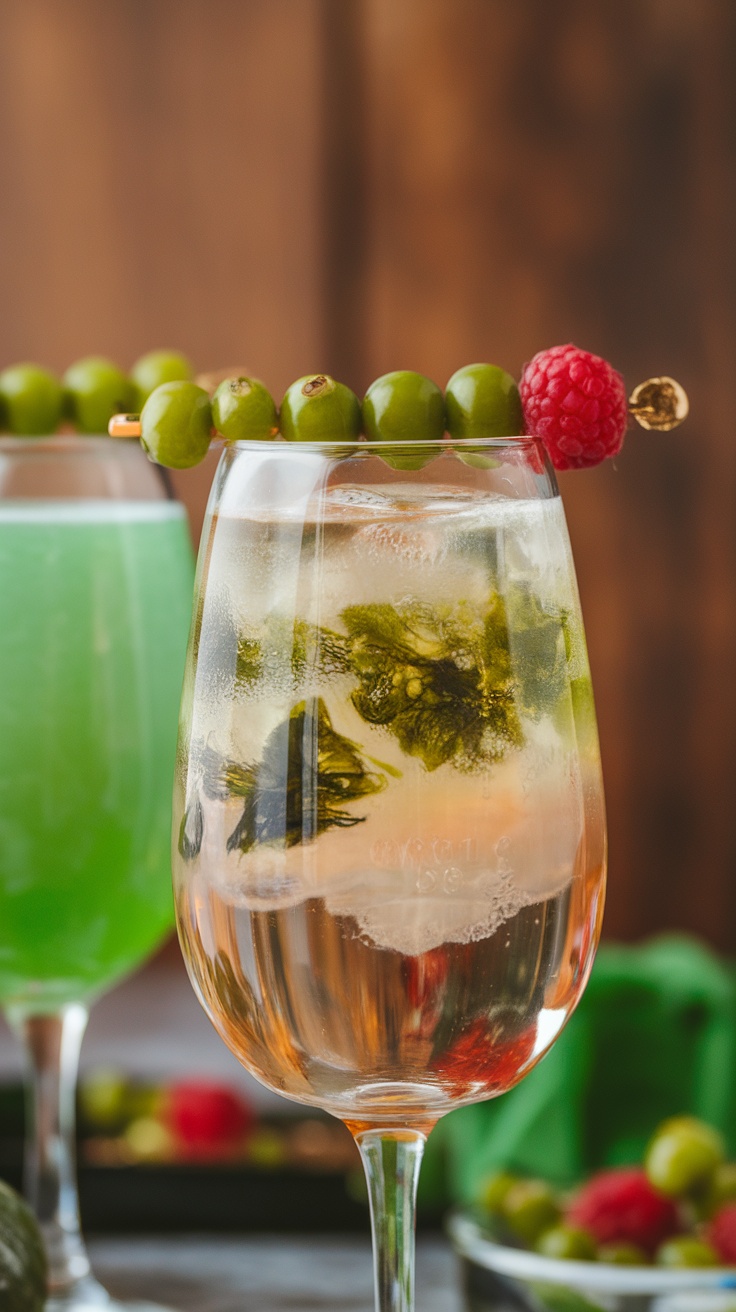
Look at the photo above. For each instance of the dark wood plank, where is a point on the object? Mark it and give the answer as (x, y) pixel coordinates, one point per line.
(345, 209)
(267, 1273)
(159, 184)
(545, 173)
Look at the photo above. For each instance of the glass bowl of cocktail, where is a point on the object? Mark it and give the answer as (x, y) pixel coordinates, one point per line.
(389, 826)
(95, 600)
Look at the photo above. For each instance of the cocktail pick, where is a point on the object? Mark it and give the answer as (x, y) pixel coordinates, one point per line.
(124, 426)
(659, 403)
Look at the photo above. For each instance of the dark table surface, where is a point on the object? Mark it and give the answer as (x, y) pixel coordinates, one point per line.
(264, 1273)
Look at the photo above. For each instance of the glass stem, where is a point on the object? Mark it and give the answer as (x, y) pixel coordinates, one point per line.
(392, 1159)
(52, 1044)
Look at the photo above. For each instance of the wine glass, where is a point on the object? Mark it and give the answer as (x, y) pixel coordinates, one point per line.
(389, 821)
(95, 600)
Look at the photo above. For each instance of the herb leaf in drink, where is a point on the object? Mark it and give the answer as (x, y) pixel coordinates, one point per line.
(294, 648)
(299, 788)
(439, 679)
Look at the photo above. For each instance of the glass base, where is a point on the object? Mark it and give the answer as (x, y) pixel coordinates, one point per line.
(88, 1295)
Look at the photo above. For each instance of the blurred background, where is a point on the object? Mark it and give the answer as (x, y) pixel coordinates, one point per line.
(361, 185)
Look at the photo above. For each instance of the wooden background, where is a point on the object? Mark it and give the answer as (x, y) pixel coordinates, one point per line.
(359, 185)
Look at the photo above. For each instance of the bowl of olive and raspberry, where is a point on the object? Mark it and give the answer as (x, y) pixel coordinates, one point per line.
(659, 1236)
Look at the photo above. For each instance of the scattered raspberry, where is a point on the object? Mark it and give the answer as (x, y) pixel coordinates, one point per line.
(576, 403)
(621, 1206)
(207, 1118)
(721, 1233)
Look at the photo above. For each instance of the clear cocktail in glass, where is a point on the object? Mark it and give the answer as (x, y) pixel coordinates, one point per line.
(389, 819)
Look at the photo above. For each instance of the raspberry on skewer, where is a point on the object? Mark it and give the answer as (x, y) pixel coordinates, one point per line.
(576, 403)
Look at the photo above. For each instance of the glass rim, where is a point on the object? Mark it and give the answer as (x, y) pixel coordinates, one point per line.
(360, 445)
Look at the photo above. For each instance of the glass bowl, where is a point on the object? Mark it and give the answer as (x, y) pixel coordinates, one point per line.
(499, 1278)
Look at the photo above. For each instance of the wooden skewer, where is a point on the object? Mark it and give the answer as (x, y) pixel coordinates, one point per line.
(124, 426)
(657, 403)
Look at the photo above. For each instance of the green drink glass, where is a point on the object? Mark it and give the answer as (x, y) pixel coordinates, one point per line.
(95, 599)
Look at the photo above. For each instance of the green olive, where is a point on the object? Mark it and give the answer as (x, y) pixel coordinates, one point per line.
(686, 1250)
(31, 400)
(155, 368)
(530, 1208)
(568, 1242)
(23, 1264)
(95, 391)
(176, 425)
(404, 406)
(623, 1254)
(718, 1190)
(683, 1155)
(102, 1098)
(482, 400)
(243, 410)
(318, 409)
(493, 1191)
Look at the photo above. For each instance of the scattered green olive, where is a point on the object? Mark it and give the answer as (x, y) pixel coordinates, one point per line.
(155, 368)
(102, 1099)
(176, 425)
(685, 1250)
(530, 1208)
(31, 400)
(96, 390)
(494, 1191)
(404, 406)
(683, 1155)
(243, 409)
(716, 1192)
(318, 409)
(567, 1241)
(623, 1254)
(23, 1263)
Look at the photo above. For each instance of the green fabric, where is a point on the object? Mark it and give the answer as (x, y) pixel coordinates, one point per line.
(654, 1036)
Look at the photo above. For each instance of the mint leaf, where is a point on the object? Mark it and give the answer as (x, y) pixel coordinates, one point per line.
(294, 649)
(299, 788)
(248, 661)
(191, 831)
(440, 680)
(538, 652)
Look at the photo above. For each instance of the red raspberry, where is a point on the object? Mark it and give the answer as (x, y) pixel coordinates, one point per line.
(207, 1118)
(721, 1233)
(576, 403)
(482, 1057)
(622, 1206)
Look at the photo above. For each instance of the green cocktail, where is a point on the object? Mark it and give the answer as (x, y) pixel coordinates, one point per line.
(95, 600)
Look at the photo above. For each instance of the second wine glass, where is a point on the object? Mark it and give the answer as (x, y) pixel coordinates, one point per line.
(95, 595)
